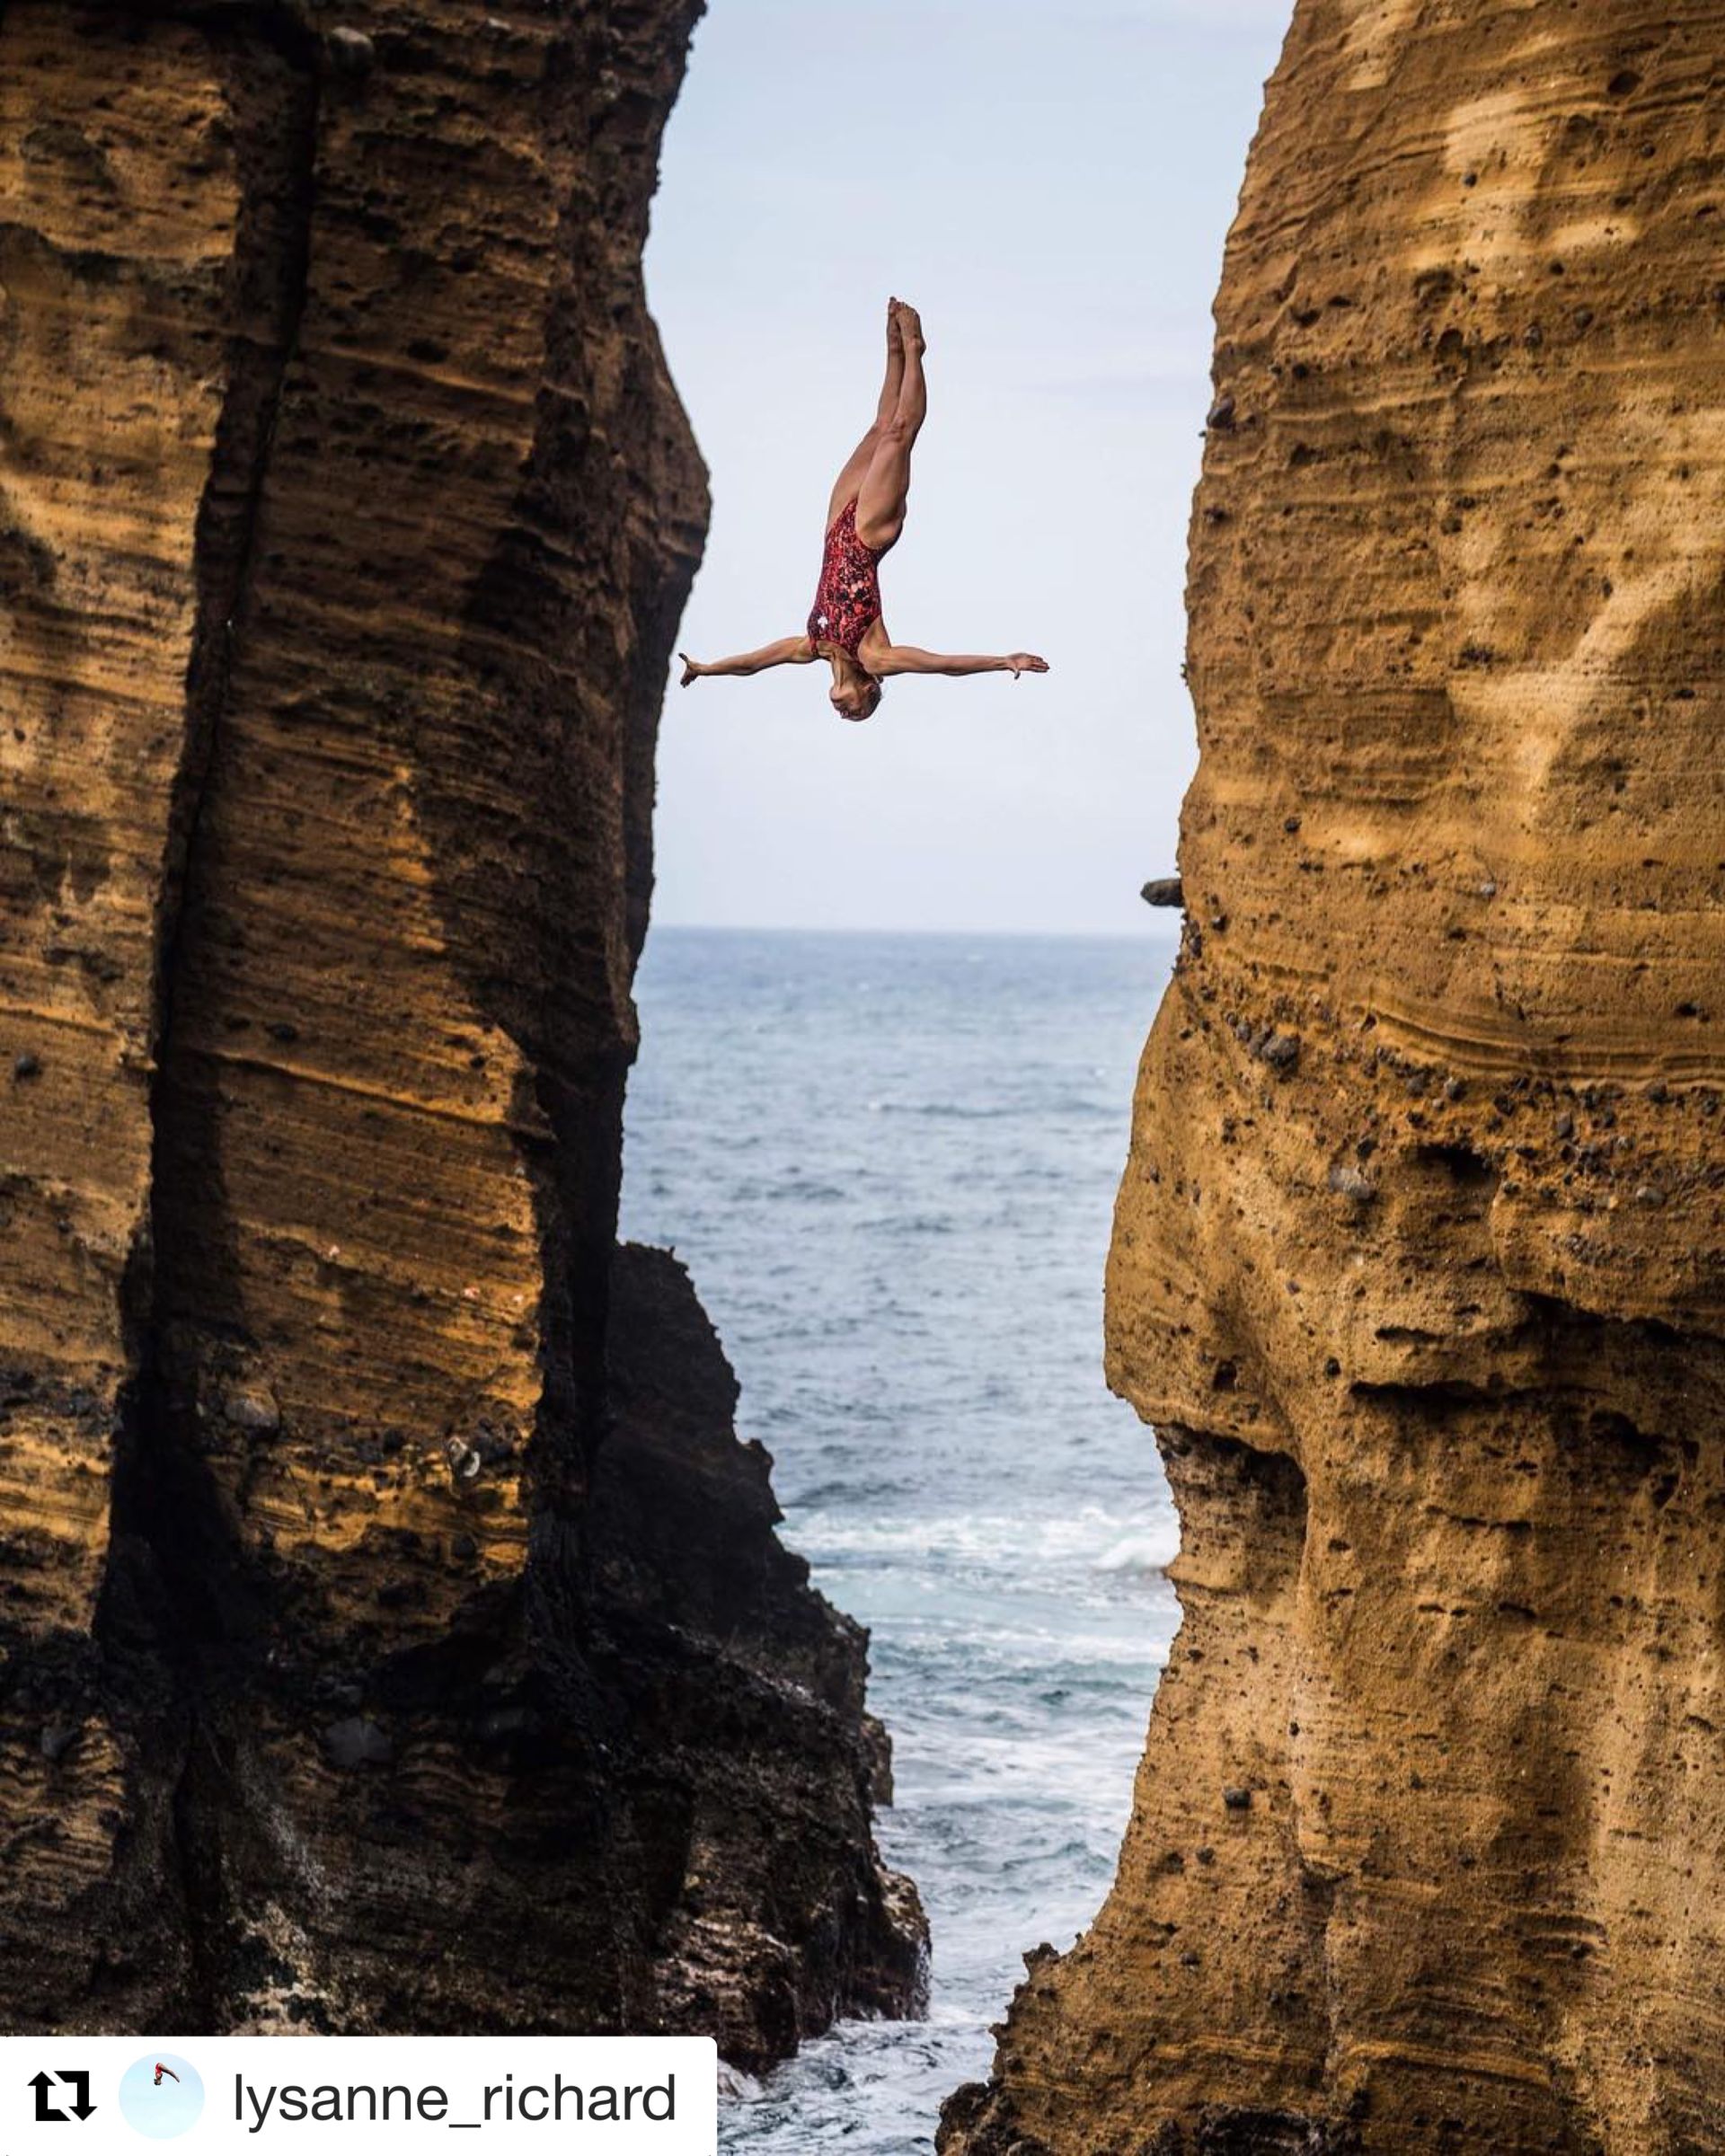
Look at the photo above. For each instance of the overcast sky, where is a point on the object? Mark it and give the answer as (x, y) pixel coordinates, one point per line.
(1050, 181)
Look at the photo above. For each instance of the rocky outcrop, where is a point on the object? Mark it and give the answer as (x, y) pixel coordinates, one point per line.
(392, 1634)
(1418, 1264)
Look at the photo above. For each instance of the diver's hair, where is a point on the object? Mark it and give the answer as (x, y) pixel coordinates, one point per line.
(869, 690)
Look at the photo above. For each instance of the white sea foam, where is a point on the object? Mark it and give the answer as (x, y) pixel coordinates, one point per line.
(1088, 1537)
(1152, 1551)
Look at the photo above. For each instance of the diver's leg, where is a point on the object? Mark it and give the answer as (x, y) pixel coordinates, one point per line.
(888, 402)
(885, 491)
(845, 487)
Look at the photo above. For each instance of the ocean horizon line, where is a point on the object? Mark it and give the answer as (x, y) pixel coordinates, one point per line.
(1155, 930)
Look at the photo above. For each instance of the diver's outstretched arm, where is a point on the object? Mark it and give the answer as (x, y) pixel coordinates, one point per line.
(788, 651)
(908, 658)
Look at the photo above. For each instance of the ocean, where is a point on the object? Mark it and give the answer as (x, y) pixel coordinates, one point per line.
(889, 1163)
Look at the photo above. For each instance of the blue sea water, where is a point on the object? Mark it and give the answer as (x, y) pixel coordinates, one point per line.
(889, 1163)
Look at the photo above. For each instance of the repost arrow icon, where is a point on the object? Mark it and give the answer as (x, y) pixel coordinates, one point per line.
(46, 2114)
(51, 2115)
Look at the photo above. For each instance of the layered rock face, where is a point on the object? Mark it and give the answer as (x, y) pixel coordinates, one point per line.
(392, 1634)
(1417, 1263)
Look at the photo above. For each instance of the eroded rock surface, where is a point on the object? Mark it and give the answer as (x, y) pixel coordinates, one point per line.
(1417, 1263)
(350, 1671)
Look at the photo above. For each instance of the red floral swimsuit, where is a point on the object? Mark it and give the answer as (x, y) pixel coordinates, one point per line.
(848, 599)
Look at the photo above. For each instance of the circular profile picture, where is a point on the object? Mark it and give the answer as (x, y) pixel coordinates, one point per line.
(162, 2095)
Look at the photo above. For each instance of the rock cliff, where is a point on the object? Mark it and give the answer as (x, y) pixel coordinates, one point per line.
(1418, 1266)
(393, 1635)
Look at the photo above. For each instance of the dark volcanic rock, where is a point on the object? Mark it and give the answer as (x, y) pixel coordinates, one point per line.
(348, 1503)
(776, 1796)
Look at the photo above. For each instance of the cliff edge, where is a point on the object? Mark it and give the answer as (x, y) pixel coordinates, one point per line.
(1418, 1266)
(393, 1635)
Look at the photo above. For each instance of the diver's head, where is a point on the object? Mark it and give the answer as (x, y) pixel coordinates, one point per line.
(857, 696)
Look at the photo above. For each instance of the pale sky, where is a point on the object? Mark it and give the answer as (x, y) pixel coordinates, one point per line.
(1050, 181)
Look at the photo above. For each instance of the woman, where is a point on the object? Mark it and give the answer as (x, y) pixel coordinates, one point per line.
(863, 521)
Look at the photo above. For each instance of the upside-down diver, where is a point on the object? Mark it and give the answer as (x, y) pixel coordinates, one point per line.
(864, 518)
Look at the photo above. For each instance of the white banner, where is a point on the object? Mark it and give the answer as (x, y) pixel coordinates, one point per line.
(218, 2096)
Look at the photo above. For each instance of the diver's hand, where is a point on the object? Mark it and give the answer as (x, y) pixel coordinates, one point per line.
(1026, 662)
(691, 669)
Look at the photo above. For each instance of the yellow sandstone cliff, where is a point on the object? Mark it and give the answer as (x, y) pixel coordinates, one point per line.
(392, 1634)
(1418, 1264)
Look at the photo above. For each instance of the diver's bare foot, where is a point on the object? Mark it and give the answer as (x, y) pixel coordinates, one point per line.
(910, 326)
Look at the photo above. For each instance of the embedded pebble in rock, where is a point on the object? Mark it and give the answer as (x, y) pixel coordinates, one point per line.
(254, 1411)
(358, 1743)
(1281, 1051)
(352, 50)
